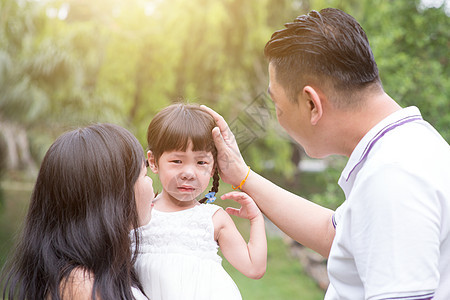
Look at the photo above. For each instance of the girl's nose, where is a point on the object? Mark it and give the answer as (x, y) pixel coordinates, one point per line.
(187, 174)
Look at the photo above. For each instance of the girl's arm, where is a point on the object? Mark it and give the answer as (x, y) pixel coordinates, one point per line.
(249, 259)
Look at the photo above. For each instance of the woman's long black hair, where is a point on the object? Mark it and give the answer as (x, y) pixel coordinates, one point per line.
(80, 216)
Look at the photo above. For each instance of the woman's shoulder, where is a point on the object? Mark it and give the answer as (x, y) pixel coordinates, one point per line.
(137, 294)
(78, 285)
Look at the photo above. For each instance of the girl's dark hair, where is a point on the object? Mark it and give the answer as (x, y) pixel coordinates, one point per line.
(178, 124)
(326, 45)
(81, 212)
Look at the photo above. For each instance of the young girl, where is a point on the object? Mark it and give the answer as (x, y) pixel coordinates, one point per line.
(178, 257)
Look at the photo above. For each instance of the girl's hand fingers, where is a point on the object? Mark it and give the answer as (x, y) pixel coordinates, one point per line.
(233, 211)
(236, 196)
(248, 210)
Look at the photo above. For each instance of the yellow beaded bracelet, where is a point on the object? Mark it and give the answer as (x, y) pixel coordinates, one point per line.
(242, 182)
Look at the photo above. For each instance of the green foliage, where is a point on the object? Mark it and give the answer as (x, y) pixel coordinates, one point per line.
(2, 170)
(121, 62)
(331, 195)
(413, 57)
(44, 76)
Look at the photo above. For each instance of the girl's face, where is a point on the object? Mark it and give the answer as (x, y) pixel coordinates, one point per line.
(183, 175)
(143, 192)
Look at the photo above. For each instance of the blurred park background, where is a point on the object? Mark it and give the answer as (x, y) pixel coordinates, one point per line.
(70, 63)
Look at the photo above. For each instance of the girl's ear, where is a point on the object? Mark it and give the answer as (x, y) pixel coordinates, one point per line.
(152, 162)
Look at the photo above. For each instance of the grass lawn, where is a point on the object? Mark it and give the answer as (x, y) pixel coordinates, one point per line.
(284, 278)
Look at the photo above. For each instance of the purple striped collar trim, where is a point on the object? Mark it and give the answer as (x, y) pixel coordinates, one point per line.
(380, 134)
(427, 296)
(333, 220)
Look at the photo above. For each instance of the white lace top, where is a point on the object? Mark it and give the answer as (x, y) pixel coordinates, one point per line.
(189, 231)
(178, 257)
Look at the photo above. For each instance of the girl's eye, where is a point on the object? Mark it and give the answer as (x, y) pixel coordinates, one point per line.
(202, 162)
(176, 161)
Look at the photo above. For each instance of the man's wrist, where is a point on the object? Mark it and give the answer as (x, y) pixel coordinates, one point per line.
(242, 182)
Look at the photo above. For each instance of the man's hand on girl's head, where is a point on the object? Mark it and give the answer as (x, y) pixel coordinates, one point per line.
(232, 166)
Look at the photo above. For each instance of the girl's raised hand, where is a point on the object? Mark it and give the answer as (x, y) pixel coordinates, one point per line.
(249, 209)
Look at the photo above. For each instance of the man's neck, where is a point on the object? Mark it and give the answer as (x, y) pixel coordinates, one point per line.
(360, 121)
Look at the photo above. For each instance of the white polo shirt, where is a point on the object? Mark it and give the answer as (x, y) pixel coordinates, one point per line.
(393, 230)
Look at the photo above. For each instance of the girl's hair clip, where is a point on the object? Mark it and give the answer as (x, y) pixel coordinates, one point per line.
(211, 197)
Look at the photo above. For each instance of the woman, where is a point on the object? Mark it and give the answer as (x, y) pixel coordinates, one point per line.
(92, 189)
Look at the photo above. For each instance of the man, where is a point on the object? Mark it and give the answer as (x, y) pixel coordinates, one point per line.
(390, 239)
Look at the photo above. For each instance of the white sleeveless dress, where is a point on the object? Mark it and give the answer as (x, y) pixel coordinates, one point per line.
(178, 257)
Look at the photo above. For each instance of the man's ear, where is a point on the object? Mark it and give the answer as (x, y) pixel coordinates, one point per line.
(314, 103)
(152, 162)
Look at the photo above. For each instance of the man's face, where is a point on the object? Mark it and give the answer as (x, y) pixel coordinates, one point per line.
(290, 114)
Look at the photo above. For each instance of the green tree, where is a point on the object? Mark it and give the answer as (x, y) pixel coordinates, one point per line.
(412, 50)
(47, 78)
(177, 50)
(122, 62)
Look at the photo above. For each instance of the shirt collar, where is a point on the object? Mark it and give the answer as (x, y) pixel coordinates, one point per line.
(364, 146)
